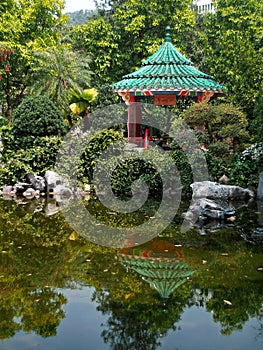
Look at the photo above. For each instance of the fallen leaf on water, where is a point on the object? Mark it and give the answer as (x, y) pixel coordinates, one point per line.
(73, 236)
(227, 302)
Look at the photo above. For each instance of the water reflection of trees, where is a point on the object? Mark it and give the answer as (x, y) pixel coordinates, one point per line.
(141, 324)
(28, 300)
(38, 310)
(38, 258)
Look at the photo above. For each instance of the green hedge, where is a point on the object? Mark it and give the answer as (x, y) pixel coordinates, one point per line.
(37, 159)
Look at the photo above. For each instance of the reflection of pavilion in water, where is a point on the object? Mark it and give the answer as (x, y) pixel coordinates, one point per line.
(159, 264)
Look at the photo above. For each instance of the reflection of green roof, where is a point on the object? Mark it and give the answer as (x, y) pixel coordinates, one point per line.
(164, 275)
(168, 70)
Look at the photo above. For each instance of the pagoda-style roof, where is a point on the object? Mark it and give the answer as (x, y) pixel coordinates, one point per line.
(168, 72)
(163, 274)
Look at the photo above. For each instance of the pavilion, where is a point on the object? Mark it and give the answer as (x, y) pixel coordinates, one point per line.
(158, 263)
(166, 76)
(163, 274)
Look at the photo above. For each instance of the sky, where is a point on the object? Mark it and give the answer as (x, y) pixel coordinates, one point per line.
(76, 5)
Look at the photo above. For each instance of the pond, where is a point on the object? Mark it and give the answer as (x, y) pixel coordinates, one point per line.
(179, 291)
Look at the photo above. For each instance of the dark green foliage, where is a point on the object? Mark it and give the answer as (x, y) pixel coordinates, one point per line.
(217, 166)
(257, 123)
(94, 149)
(183, 167)
(247, 166)
(31, 142)
(124, 168)
(106, 97)
(37, 160)
(34, 118)
(126, 172)
(224, 125)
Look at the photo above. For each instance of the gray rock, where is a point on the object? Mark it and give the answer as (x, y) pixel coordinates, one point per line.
(63, 191)
(212, 190)
(30, 193)
(52, 181)
(223, 179)
(260, 187)
(21, 187)
(37, 182)
(7, 190)
(51, 207)
(202, 211)
(257, 235)
(260, 211)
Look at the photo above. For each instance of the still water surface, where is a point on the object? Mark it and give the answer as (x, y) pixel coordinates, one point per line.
(177, 292)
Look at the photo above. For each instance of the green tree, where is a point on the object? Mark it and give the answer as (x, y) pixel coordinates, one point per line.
(100, 39)
(221, 123)
(58, 71)
(25, 26)
(234, 51)
(126, 32)
(257, 123)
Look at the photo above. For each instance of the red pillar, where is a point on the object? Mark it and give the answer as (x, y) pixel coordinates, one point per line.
(134, 120)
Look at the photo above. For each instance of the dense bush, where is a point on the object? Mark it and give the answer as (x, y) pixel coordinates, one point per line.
(93, 150)
(256, 126)
(31, 142)
(125, 168)
(36, 159)
(217, 166)
(247, 166)
(184, 168)
(34, 118)
(221, 126)
(148, 166)
(152, 166)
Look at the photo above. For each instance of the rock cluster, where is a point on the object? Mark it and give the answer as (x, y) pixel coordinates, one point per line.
(211, 204)
(36, 186)
(207, 213)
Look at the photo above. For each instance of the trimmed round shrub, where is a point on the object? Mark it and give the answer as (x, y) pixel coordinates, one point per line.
(34, 118)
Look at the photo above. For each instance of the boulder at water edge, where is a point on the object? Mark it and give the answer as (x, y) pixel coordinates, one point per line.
(260, 187)
(213, 190)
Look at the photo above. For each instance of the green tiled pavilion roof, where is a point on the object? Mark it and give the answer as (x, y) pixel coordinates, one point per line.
(168, 70)
(164, 275)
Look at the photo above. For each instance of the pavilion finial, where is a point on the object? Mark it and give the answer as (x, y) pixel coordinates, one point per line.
(168, 35)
